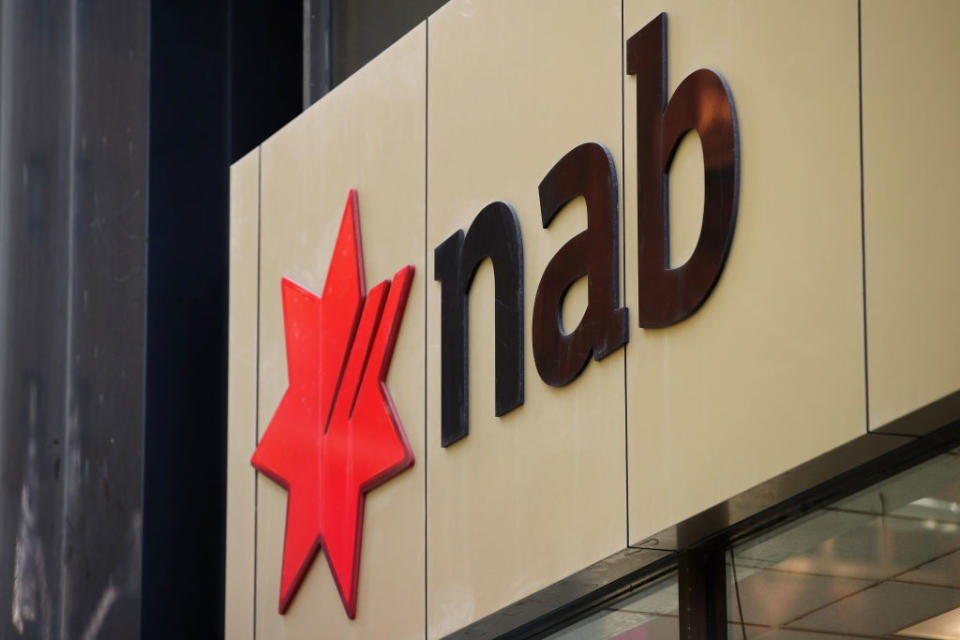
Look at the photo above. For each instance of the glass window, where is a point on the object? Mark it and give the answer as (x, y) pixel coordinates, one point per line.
(648, 614)
(361, 29)
(883, 563)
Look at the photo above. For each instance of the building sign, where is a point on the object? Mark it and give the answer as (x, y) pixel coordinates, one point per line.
(336, 434)
(701, 103)
(584, 357)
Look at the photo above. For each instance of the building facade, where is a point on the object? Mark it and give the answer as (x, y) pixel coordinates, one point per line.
(706, 383)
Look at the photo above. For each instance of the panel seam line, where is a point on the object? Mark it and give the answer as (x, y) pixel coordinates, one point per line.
(426, 319)
(256, 416)
(623, 274)
(863, 233)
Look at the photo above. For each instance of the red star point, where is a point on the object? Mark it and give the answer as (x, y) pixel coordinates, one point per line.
(336, 434)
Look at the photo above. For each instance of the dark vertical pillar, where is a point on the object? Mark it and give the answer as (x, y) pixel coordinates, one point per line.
(316, 50)
(703, 593)
(35, 201)
(266, 68)
(106, 304)
(361, 29)
(184, 429)
(224, 74)
(72, 257)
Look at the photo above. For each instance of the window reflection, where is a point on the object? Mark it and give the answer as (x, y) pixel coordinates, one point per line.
(648, 614)
(872, 566)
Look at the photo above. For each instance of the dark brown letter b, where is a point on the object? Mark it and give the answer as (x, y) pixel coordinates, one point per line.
(702, 103)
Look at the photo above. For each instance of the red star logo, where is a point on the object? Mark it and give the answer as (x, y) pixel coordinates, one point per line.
(336, 434)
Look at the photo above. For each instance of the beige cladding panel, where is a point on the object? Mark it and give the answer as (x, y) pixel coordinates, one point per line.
(242, 384)
(528, 498)
(770, 371)
(911, 137)
(367, 134)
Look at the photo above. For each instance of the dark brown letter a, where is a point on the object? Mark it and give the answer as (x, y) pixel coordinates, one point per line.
(703, 103)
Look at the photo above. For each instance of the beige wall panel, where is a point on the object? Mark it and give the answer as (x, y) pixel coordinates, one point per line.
(242, 388)
(533, 496)
(367, 134)
(770, 371)
(911, 134)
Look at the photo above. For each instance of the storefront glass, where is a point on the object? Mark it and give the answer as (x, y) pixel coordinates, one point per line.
(648, 614)
(882, 563)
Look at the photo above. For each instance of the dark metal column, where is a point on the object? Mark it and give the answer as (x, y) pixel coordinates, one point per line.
(316, 50)
(224, 74)
(703, 593)
(361, 29)
(72, 256)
